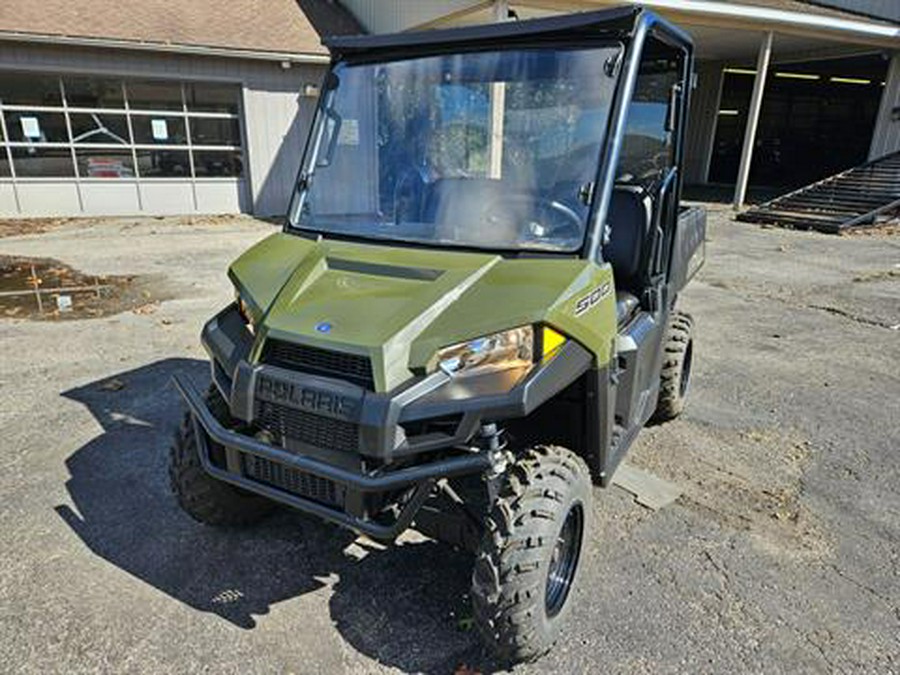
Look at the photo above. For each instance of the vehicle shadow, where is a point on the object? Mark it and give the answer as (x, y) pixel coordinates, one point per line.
(402, 605)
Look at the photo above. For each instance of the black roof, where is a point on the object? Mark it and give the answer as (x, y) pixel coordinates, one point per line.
(616, 21)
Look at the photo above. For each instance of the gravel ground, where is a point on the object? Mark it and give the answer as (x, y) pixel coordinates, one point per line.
(781, 555)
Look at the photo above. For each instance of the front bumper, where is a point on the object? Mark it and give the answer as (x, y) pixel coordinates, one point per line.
(421, 477)
(388, 430)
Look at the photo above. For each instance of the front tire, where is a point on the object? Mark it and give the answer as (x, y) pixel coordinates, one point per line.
(527, 565)
(201, 496)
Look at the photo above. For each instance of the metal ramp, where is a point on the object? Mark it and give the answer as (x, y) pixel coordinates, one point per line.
(852, 198)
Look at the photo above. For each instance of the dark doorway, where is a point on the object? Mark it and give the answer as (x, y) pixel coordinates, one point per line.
(817, 119)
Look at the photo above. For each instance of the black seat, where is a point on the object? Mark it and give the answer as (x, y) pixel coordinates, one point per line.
(629, 220)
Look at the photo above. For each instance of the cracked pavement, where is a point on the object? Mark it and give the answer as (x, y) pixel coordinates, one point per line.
(781, 555)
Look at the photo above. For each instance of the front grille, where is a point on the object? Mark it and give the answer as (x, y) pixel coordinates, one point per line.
(292, 480)
(287, 424)
(340, 365)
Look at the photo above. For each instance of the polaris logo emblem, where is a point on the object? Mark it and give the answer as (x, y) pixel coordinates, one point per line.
(593, 298)
(301, 397)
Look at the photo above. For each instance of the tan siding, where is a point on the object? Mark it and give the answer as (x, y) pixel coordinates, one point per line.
(278, 120)
(9, 205)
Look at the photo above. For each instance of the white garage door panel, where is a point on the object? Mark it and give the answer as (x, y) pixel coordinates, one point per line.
(111, 198)
(48, 198)
(221, 196)
(8, 207)
(167, 198)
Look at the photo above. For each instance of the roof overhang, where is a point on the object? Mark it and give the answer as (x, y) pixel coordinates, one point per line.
(735, 15)
(167, 48)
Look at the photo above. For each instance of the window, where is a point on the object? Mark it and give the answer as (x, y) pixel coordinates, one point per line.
(159, 130)
(36, 127)
(99, 128)
(215, 131)
(101, 163)
(220, 98)
(30, 89)
(649, 145)
(93, 92)
(154, 96)
(217, 163)
(163, 163)
(118, 130)
(36, 162)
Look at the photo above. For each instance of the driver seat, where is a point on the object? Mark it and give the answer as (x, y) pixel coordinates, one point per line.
(630, 217)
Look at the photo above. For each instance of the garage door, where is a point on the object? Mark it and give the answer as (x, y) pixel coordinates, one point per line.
(77, 145)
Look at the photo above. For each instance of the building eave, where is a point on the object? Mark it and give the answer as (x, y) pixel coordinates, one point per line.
(167, 48)
(754, 17)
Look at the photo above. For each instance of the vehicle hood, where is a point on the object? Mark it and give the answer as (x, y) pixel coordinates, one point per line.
(399, 305)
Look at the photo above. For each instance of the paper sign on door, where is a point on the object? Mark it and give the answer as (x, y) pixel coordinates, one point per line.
(160, 130)
(31, 128)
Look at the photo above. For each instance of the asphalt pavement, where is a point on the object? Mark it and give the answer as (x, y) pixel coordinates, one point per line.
(782, 553)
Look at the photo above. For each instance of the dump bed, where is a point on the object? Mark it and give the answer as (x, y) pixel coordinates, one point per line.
(689, 247)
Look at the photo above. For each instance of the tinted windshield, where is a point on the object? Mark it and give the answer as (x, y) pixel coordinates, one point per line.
(489, 149)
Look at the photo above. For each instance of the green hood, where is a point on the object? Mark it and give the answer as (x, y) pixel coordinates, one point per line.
(400, 305)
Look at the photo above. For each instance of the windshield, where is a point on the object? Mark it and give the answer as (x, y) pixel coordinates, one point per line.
(487, 150)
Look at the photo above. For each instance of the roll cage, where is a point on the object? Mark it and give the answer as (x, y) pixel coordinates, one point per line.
(638, 31)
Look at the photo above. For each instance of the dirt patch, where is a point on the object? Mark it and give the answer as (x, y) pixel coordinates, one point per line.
(881, 228)
(47, 289)
(758, 490)
(878, 276)
(14, 227)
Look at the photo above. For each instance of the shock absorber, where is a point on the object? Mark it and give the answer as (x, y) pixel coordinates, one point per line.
(491, 440)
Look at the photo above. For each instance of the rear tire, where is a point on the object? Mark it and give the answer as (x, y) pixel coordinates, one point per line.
(527, 565)
(201, 496)
(675, 377)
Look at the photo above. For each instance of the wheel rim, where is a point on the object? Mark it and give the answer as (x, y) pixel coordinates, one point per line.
(686, 370)
(564, 561)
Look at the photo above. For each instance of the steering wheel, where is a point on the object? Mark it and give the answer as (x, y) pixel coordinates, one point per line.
(550, 217)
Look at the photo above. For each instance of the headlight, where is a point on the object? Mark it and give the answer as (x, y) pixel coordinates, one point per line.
(245, 312)
(510, 349)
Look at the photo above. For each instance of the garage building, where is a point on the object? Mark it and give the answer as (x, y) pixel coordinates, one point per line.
(788, 91)
(157, 106)
(167, 107)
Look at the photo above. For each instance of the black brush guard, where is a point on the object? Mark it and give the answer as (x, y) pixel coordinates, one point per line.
(421, 477)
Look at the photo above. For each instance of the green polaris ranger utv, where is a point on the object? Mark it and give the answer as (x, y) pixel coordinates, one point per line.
(471, 309)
